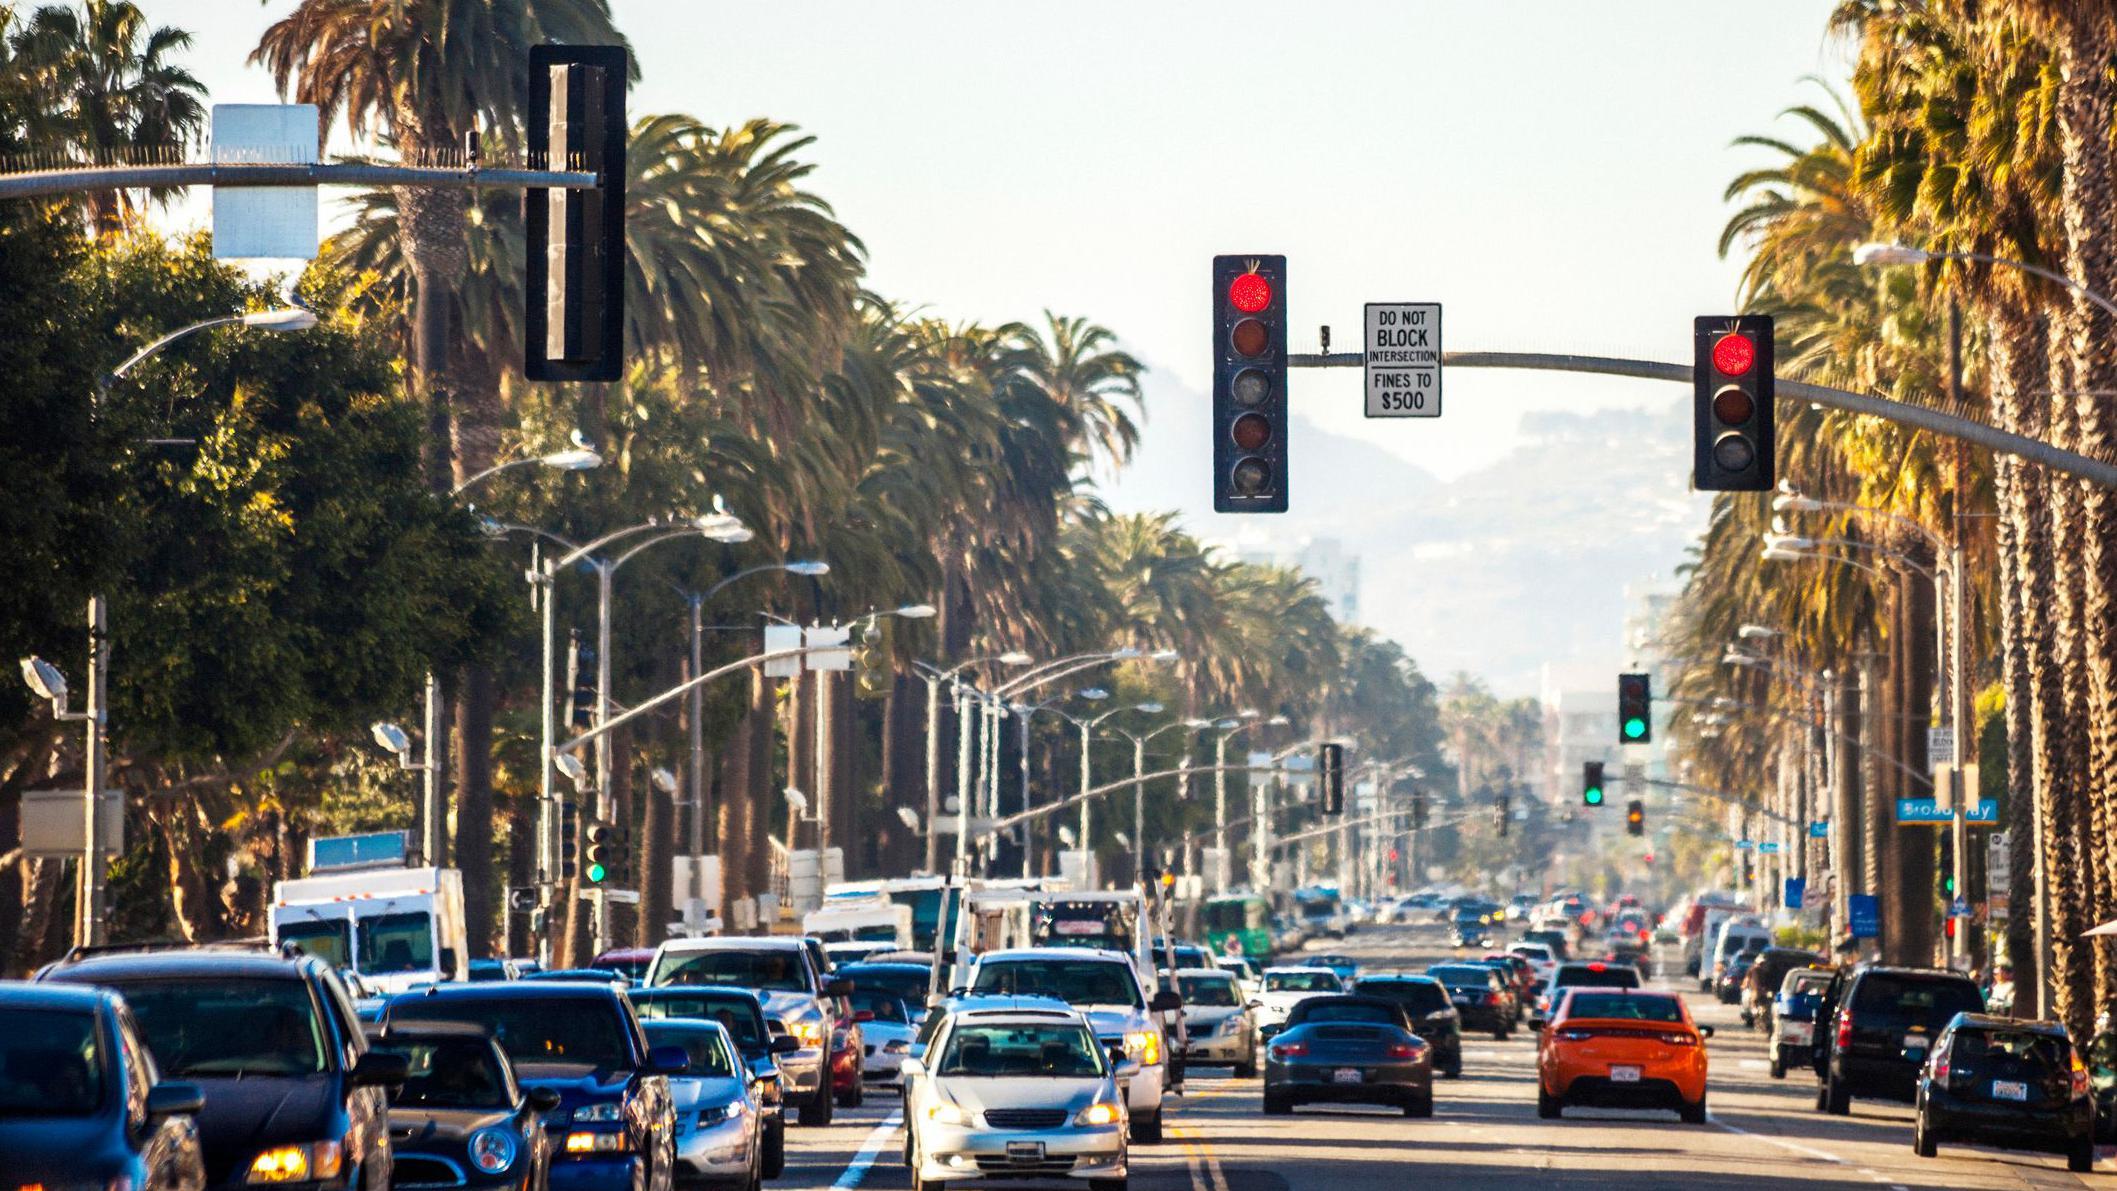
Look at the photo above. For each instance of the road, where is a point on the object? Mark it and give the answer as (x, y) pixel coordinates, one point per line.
(1485, 1133)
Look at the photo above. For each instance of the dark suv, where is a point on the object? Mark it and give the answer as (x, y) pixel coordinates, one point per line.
(1880, 1028)
(1433, 1017)
(2000, 1082)
(615, 1126)
(292, 1095)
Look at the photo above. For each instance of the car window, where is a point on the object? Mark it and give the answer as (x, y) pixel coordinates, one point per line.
(1076, 982)
(1610, 1005)
(1018, 1051)
(704, 1047)
(330, 939)
(885, 1007)
(1923, 998)
(232, 1026)
(1417, 996)
(738, 1014)
(1319, 980)
(2041, 1050)
(1588, 976)
(1208, 992)
(51, 1063)
(1461, 975)
(450, 1073)
(570, 1030)
(1310, 1012)
(140, 1075)
(907, 984)
(774, 971)
(397, 943)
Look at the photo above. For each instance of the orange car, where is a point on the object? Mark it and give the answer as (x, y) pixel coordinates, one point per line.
(1621, 1048)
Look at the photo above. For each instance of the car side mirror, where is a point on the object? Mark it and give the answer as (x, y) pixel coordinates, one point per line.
(1270, 1032)
(174, 1099)
(379, 1069)
(1126, 1069)
(545, 1099)
(910, 1067)
(864, 1015)
(839, 987)
(1168, 1000)
(668, 1060)
(1705, 1031)
(785, 1044)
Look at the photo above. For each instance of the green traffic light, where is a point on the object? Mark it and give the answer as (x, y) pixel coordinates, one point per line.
(597, 872)
(1635, 728)
(1592, 795)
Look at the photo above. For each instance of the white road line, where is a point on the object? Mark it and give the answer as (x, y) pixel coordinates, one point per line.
(1782, 1143)
(877, 1139)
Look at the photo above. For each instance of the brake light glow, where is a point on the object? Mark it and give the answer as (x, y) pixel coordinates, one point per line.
(1492, 998)
(1290, 1050)
(1679, 1040)
(1403, 1050)
(1598, 966)
(1844, 1030)
(1940, 1068)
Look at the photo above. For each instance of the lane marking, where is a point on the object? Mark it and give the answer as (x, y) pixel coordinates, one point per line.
(1198, 1153)
(1781, 1142)
(877, 1139)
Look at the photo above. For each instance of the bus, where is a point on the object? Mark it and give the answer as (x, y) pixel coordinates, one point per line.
(1238, 924)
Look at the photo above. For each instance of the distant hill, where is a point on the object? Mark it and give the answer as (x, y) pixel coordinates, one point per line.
(1497, 572)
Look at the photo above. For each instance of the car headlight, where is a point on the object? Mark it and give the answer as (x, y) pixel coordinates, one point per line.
(1144, 1045)
(719, 1112)
(297, 1163)
(808, 1033)
(1232, 1025)
(493, 1150)
(948, 1114)
(581, 1141)
(1100, 1113)
(608, 1112)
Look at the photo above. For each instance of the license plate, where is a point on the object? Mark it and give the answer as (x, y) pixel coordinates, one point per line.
(1025, 1151)
(1347, 1075)
(1624, 1075)
(2007, 1089)
(1916, 1042)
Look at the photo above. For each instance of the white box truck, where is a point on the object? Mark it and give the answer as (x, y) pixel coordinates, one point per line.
(397, 928)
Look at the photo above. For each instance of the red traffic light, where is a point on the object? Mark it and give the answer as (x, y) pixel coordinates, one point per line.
(1734, 355)
(1249, 293)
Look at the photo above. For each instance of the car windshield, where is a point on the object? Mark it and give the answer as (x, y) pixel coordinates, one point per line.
(330, 941)
(228, 1026)
(1612, 1005)
(397, 943)
(904, 983)
(1076, 982)
(737, 1013)
(1057, 1051)
(1417, 996)
(580, 1031)
(774, 971)
(1311, 1012)
(1208, 992)
(631, 967)
(702, 1044)
(1926, 999)
(885, 1007)
(450, 1073)
(51, 1063)
(2042, 1050)
(1596, 976)
(1319, 980)
(1460, 976)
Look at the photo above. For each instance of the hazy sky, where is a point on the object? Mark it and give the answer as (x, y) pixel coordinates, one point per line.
(1550, 171)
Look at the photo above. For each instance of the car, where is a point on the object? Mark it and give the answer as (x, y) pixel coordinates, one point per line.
(1542, 960)
(1017, 1091)
(1220, 1024)
(1433, 1015)
(1344, 965)
(1284, 988)
(853, 951)
(484, 971)
(1882, 1028)
(616, 1122)
(849, 1061)
(1621, 1048)
(1241, 965)
(1793, 1018)
(1188, 955)
(461, 1118)
(579, 975)
(81, 1100)
(1996, 1081)
(1348, 1049)
(1735, 935)
(1593, 974)
(276, 1049)
(796, 994)
(628, 962)
(1727, 985)
(1470, 932)
(1630, 950)
(719, 1124)
(1481, 995)
(1761, 984)
(741, 1013)
(907, 982)
(1104, 987)
(1554, 939)
(1521, 976)
(887, 1026)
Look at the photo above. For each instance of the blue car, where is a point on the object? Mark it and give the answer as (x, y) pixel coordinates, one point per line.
(719, 1127)
(614, 1127)
(80, 1102)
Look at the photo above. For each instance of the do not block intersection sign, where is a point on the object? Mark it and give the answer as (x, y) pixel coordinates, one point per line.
(1403, 359)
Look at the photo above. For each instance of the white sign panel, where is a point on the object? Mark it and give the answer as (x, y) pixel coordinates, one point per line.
(1999, 865)
(264, 222)
(833, 640)
(779, 638)
(1403, 359)
(1940, 746)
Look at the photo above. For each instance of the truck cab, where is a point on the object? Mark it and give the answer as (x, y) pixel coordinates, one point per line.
(395, 927)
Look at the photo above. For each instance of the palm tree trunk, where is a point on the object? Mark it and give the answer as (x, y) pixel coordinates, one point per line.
(762, 793)
(2063, 759)
(474, 806)
(656, 875)
(2019, 366)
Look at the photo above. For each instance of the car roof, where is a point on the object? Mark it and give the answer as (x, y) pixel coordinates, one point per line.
(22, 994)
(511, 990)
(1986, 1021)
(736, 943)
(624, 953)
(1367, 978)
(883, 965)
(226, 962)
(417, 1028)
(673, 992)
(1214, 973)
(1074, 953)
(989, 1002)
(1304, 969)
(1903, 972)
(666, 1024)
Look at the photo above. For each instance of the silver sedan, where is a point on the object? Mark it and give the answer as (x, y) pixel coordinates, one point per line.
(719, 1126)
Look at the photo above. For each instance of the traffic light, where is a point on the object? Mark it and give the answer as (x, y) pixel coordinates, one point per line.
(1330, 777)
(1636, 818)
(1591, 783)
(569, 839)
(580, 680)
(1501, 809)
(872, 669)
(1418, 809)
(1732, 403)
(573, 316)
(1635, 709)
(1249, 384)
(602, 853)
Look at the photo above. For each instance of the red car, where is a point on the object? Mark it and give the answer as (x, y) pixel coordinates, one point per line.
(848, 1063)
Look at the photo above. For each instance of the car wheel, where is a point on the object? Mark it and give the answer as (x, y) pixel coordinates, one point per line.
(1109, 1184)
(1923, 1143)
(1420, 1107)
(1548, 1106)
(1146, 1130)
(1247, 1069)
(1840, 1098)
(853, 1098)
(1277, 1104)
(775, 1150)
(2081, 1158)
(1823, 1095)
(1499, 1033)
(1693, 1114)
(818, 1110)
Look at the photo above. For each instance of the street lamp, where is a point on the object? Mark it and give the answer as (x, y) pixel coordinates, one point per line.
(1880, 254)
(574, 458)
(934, 677)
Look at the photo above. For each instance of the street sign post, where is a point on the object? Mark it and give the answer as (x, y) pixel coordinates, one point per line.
(1403, 359)
(1940, 747)
(1820, 829)
(1999, 865)
(1863, 912)
(1925, 811)
(1795, 893)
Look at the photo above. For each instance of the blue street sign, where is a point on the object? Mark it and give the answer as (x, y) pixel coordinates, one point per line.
(1820, 829)
(1796, 888)
(1743, 845)
(1865, 913)
(1959, 909)
(370, 850)
(1769, 847)
(1925, 810)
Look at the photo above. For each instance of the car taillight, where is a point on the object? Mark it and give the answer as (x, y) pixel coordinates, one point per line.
(1492, 998)
(1679, 1040)
(1403, 1050)
(1575, 1035)
(1844, 1030)
(2080, 1078)
(1290, 1050)
(1940, 1069)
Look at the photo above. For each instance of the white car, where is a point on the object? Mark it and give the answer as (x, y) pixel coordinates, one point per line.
(1286, 987)
(1102, 986)
(1541, 961)
(1016, 1092)
(1219, 1027)
(887, 1026)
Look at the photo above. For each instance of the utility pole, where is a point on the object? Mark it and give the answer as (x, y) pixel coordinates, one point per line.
(697, 711)
(549, 879)
(963, 734)
(825, 719)
(90, 890)
(933, 770)
(433, 843)
(1087, 846)
(1957, 714)
(1220, 814)
(605, 807)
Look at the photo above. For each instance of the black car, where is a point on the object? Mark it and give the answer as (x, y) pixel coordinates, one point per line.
(1348, 1050)
(1881, 1030)
(2018, 1085)
(1426, 1002)
(273, 1044)
(80, 1099)
(1561, 946)
(741, 1014)
(1480, 996)
(461, 1119)
(1727, 986)
(615, 1126)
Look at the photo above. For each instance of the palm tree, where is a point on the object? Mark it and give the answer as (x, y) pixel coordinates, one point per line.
(103, 84)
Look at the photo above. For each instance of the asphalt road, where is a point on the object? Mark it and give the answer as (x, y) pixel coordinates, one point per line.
(1762, 1133)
